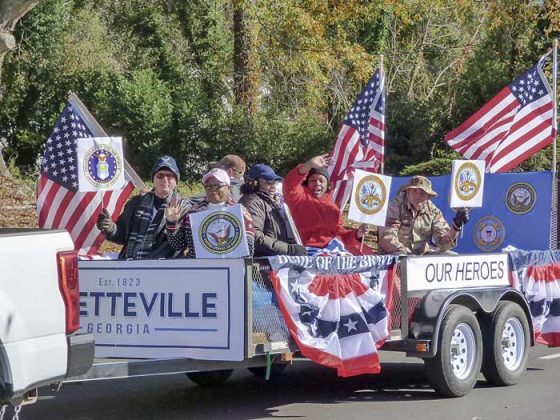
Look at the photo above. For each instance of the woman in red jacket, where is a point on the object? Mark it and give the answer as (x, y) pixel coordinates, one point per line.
(317, 217)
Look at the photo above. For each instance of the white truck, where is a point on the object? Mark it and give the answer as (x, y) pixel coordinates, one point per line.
(39, 313)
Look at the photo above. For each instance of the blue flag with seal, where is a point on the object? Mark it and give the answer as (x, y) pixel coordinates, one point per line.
(516, 211)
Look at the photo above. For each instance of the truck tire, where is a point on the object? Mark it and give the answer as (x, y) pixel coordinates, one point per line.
(453, 371)
(210, 378)
(275, 370)
(506, 345)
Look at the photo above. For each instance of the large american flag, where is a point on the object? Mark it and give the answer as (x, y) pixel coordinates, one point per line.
(514, 125)
(59, 203)
(361, 140)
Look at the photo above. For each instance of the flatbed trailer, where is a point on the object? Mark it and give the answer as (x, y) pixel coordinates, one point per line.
(446, 320)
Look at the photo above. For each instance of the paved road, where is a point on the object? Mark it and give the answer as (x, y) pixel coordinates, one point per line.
(306, 390)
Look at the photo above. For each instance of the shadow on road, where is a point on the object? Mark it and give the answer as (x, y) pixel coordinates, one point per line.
(244, 396)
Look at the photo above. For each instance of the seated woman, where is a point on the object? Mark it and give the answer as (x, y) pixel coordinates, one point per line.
(272, 234)
(317, 217)
(218, 195)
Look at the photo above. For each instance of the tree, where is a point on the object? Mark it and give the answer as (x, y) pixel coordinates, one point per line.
(11, 11)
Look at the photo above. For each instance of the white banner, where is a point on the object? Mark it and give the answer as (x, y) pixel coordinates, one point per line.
(370, 198)
(455, 272)
(101, 166)
(467, 183)
(219, 233)
(164, 308)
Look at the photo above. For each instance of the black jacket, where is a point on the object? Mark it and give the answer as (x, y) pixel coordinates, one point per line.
(271, 232)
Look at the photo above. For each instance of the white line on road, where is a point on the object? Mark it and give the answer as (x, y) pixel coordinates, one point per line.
(550, 356)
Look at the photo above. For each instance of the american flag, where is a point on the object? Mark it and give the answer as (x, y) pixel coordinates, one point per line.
(59, 203)
(514, 125)
(338, 317)
(361, 140)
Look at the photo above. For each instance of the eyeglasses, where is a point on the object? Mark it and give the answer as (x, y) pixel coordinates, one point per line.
(168, 175)
(210, 187)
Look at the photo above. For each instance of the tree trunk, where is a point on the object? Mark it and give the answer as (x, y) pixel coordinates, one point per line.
(3, 168)
(246, 73)
(11, 11)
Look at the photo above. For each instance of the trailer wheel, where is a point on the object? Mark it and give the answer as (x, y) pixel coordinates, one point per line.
(506, 345)
(210, 378)
(452, 372)
(275, 370)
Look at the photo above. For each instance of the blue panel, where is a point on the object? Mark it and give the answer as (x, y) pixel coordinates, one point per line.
(496, 219)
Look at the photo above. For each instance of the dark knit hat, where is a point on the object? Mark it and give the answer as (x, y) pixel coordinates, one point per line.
(165, 162)
(320, 171)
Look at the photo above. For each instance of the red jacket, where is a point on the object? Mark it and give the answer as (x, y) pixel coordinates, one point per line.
(318, 220)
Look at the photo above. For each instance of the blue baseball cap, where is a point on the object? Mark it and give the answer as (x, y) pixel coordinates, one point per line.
(165, 162)
(263, 171)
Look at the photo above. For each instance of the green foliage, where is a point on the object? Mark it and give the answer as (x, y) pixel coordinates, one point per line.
(160, 73)
(143, 107)
(438, 166)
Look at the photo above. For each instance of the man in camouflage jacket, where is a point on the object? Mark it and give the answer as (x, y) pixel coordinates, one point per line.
(415, 225)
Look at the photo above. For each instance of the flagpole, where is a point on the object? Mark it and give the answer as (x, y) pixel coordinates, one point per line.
(555, 107)
(554, 231)
(381, 71)
(98, 131)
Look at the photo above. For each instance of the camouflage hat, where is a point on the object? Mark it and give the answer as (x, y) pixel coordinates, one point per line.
(421, 182)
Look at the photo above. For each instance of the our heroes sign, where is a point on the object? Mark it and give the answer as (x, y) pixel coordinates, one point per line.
(454, 272)
(164, 309)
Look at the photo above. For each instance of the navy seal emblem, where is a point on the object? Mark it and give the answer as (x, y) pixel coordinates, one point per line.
(467, 181)
(102, 167)
(370, 195)
(220, 232)
(521, 198)
(489, 233)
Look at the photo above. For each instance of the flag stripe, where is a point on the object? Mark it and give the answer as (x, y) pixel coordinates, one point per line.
(526, 141)
(61, 204)
(512, 126)
(50, 192)
(498, 107)
(348, 151)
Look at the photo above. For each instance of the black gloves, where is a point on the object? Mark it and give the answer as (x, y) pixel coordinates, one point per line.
(296, 250)
(461, 217)
(104, 222)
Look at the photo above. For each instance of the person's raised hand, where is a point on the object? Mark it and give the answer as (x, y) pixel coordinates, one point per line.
(321, 161)
(173, 212)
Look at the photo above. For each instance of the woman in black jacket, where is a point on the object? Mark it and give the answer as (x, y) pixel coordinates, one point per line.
(272, 233)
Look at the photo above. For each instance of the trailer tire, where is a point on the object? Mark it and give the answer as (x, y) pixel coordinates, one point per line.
(275, 370)
(210, 378)
(506, 345)
(453, 371)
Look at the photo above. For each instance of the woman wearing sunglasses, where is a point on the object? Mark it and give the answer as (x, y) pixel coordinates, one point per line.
(217, 187)
(272, 233)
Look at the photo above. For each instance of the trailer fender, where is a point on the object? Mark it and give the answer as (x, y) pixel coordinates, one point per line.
(426, 321)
